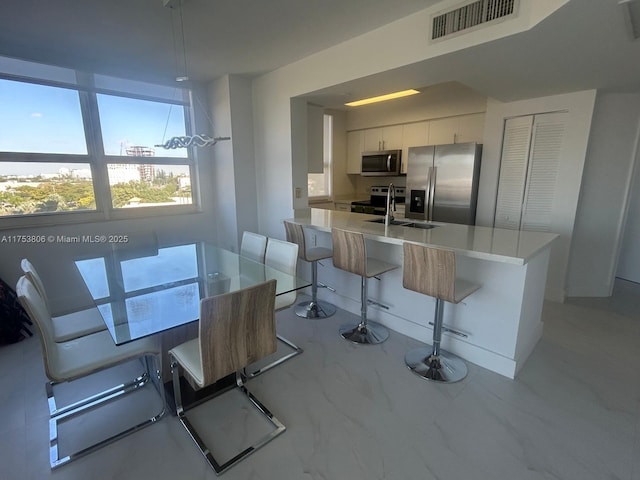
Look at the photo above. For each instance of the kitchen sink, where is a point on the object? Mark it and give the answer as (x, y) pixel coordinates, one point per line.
(423, 226)
(405, 223)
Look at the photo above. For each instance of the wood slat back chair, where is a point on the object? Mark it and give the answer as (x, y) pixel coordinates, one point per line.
(315, 308)
(282, 256)
(235, 329)
(350, 254)
(68, 361)
(253, 246)
(70, 326)
(432, 271)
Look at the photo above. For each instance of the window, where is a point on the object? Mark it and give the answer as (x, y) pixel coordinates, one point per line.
(72, 142)
(319, 184)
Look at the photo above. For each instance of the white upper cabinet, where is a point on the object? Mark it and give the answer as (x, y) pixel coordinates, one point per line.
(383, 138)
(413, 135)
(443, 131)
(462, 129)
(470, 128)
(355, 147)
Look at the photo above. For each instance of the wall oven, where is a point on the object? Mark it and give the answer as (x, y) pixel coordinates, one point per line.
(385, 163)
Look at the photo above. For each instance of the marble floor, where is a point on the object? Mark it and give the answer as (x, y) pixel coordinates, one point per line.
(356, 412)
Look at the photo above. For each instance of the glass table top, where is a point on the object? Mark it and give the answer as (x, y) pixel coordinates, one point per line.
(146, 290)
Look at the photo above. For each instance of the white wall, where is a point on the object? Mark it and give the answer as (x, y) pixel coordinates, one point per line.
(443, 100)
(233, 184)
(579, 106)
(395, 45)
(243, 154)
(343, 184)
(605, 189)
(629, 261)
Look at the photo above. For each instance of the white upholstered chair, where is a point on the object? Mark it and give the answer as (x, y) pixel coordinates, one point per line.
(68, 361)
(432, 271)
(253, 246)
(282, 256)
(315, 308)
(350, 254)
(69, 326)
(235, 329)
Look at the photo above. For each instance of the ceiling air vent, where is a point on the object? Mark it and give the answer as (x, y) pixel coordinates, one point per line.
(470, 15)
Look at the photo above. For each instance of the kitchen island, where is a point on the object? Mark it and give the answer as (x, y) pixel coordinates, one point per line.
(498, 326)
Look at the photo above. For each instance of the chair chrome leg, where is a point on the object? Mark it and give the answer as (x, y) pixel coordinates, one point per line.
(444, 368)
(371, 333)
(296, 351)
(365, 333)
(208, 455)
(93, 400)
(433, 363)
(152, 373)
(315, 308)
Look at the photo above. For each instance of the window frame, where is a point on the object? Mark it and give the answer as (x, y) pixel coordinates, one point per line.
(96, 157)
(327, 162)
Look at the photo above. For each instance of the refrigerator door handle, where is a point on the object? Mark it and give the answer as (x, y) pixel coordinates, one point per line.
(432, 189)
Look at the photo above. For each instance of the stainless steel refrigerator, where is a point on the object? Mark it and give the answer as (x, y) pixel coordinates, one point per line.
(442, 183)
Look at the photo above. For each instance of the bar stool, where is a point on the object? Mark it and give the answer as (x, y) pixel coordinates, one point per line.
(350, 254)
(315, 308)
(432, 271)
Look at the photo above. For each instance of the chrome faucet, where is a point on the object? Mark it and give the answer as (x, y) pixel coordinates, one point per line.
(391, 200)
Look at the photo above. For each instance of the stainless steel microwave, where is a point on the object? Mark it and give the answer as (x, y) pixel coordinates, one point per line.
(384, 163)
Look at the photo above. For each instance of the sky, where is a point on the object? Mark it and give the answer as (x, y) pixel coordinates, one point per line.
(43, 119)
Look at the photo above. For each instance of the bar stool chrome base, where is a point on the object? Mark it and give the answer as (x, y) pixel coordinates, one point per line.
(317, 309)
(371, 333)
(444, 368)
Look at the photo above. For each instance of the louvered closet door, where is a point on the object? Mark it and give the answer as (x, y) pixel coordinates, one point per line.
(544, 162)
(513, 171)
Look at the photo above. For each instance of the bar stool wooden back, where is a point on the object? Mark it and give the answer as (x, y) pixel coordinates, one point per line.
(350, 254)
(432, 271)
(315, 308)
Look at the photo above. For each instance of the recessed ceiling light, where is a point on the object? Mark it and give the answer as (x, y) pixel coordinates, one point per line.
(382, 98)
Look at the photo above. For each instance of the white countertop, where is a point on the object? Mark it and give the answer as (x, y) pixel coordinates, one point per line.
(486, 243)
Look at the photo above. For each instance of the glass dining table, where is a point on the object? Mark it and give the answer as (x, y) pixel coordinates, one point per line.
(142, 291)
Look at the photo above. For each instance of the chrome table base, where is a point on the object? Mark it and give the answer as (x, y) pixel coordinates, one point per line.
(444, 367)
(369, 333)
(317, 309)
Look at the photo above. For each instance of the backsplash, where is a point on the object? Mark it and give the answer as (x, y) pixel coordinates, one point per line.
(364, 184)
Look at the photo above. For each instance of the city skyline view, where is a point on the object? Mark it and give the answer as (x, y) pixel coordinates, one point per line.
(48, 120)
(52, 125)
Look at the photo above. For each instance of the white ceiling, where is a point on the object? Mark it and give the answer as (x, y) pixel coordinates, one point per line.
(133, 38)
(583, 45)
